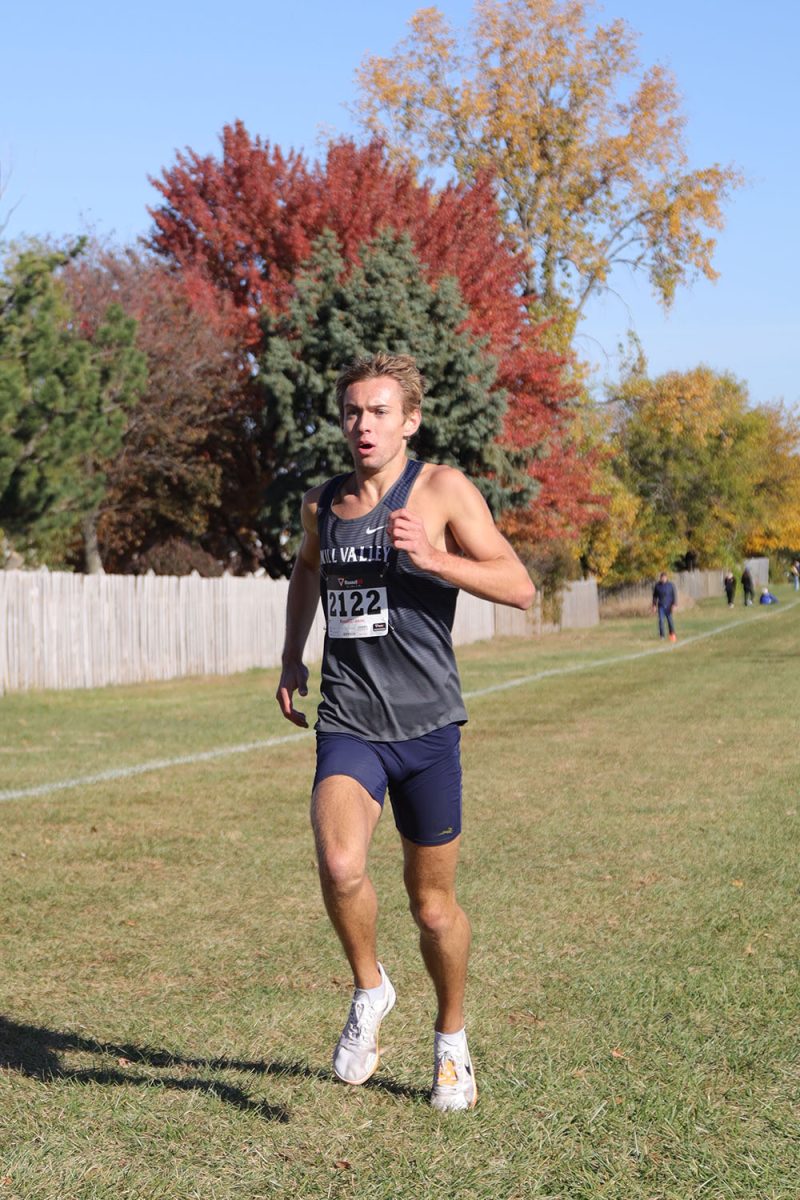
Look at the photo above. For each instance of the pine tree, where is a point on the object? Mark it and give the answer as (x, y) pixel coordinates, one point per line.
(179, 461)
(63, 406)
(384, 303)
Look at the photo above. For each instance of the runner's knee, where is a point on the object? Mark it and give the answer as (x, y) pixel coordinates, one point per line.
(434, 912)
(341, 869)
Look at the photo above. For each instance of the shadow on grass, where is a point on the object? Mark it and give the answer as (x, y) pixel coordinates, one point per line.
(34, 1051)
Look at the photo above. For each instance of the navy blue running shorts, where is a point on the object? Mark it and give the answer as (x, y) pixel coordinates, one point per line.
(423, 776)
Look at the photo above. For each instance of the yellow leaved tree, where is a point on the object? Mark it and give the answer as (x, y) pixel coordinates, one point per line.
(778, 530)
(587, 147)
(703, 477)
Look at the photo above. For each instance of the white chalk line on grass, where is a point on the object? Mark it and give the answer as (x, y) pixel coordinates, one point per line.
(45, 789)
(158, 764)
(669, 648)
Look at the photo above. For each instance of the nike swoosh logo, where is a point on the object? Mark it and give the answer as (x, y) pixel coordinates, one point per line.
(375, 530)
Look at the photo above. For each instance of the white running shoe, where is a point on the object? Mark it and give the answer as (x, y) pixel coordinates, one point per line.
(454, 1085)
(357, 1053)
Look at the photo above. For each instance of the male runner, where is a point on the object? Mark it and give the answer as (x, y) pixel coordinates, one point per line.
(389, 545)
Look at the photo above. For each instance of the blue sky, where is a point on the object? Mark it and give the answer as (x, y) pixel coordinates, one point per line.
(97, 98)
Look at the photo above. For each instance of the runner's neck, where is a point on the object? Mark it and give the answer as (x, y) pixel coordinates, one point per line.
(365, 491)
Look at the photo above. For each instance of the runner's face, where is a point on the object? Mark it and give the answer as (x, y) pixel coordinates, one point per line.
(374, 424)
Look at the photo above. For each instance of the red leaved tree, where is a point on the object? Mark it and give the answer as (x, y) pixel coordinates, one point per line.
(239, 227)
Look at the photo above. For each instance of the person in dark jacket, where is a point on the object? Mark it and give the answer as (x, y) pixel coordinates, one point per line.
(665, 600)
(747, 586)
(729, 583)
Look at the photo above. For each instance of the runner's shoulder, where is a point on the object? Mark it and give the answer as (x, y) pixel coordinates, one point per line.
(312, 497)
(448, 488)
(440, 479)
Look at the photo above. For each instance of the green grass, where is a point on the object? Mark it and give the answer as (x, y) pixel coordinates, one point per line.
(171, 990)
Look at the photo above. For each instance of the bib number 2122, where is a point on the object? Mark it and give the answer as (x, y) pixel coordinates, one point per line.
(355, 612)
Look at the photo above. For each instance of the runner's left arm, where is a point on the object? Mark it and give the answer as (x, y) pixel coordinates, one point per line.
(487, 566)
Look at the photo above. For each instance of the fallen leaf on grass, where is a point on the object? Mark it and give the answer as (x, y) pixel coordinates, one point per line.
(524, 1016)
(617, 1053)
(737, 882)
(749, 948)
(124, 1062)
(649, 879)
(342, 1164)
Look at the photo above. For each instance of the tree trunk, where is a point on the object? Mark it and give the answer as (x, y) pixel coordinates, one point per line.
(91, 549)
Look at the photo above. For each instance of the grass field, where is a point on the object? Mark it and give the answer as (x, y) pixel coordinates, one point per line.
(171, 990)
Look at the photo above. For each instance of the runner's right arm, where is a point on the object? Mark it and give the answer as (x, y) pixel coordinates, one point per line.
(301, 608)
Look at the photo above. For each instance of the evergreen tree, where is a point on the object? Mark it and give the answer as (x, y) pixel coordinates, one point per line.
(63, 407)
(384, 303)
(182, 468)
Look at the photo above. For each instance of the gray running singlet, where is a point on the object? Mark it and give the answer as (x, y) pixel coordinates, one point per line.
(388, 669)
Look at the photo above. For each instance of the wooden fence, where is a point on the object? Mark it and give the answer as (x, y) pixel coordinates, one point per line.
(59, 630)
(578, 606)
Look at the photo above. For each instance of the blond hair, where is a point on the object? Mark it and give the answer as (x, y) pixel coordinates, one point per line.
(400, 367)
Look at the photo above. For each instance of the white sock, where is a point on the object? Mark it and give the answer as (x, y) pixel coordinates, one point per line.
(378, 993)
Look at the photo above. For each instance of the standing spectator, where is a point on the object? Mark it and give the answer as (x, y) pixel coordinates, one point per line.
(794, 575)
(747, 586)
(664, 601)
(729, 582)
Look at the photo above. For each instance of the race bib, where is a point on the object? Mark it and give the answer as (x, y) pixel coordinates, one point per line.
(355, 608)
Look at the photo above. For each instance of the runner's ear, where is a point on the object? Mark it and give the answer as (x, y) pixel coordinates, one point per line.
(412, 423)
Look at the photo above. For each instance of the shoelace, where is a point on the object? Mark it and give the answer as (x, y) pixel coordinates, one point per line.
(358, 1028)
